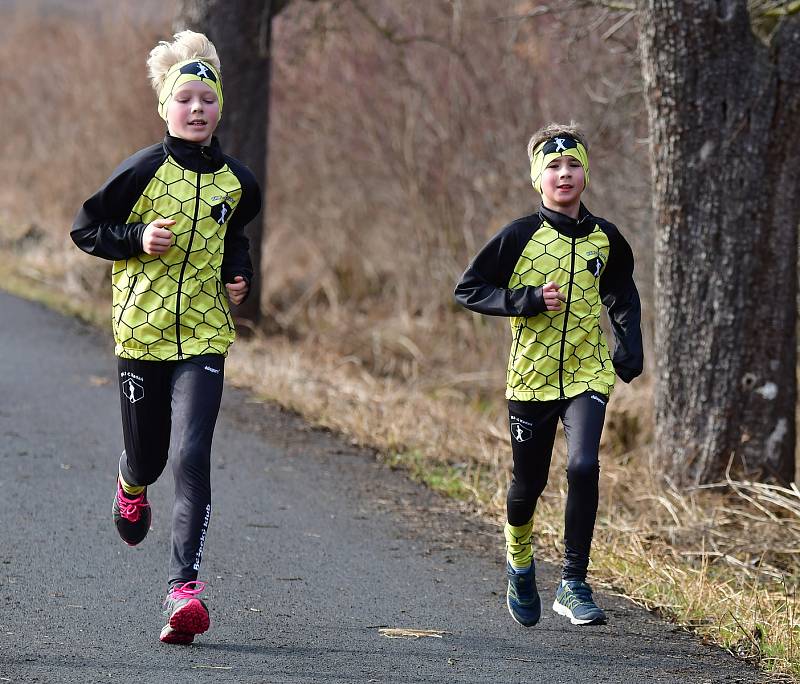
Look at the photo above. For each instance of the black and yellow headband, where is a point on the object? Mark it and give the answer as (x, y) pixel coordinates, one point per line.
(183, 72)
(553, 148)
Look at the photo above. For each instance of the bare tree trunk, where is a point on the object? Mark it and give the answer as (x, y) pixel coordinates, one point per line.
(241, 30)
(724, 113)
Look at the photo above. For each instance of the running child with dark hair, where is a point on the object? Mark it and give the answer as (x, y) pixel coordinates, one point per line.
(551, 273)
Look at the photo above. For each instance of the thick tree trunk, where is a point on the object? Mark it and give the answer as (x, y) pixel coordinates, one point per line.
(724, 113)
(241, 32)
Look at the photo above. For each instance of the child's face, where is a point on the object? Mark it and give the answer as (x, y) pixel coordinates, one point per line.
(563, 181)
(193, 112)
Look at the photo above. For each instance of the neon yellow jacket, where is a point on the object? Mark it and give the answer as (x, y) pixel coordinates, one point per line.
(174, 305)
(559, 354)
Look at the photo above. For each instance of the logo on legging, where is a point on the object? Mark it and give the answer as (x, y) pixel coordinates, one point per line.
(199, 555)
(519, 432)
(132, 390)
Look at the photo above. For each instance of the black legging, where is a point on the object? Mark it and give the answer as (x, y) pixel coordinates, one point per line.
(533, 429)
(179, 399)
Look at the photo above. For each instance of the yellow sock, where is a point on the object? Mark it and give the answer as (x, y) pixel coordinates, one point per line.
(518, 544)
(129, 489)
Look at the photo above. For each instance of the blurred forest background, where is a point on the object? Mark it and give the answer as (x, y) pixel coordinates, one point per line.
(392, 157)
(397, 147)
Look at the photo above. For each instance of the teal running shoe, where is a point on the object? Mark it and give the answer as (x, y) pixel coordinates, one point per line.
(574, 600)
(522, 597)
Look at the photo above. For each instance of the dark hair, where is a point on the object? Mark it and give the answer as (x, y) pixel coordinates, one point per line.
(553, 129)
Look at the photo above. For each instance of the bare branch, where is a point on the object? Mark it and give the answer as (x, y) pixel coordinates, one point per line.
(393, 36)
(616, 27)
(615, 6)
(573, 6)
(537, 12)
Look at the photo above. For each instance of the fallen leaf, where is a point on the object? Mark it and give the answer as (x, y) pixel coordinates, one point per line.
(212, 667)
(97, 380)
(402, 633)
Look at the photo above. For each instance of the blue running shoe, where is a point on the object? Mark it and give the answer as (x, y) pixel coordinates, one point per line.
(522, 597)
(574, 600)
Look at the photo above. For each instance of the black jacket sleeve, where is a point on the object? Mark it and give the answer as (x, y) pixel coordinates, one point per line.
(236, 260)
(100, 227)
(620, 296)
(484, 286)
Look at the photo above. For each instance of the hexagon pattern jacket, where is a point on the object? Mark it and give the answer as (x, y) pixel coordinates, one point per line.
(173, 305)
(559, 354)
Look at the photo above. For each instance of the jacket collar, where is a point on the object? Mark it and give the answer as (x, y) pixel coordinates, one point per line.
(567, 225)
(193, 156)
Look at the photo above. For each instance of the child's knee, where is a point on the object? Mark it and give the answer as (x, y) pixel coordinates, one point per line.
(192, 467)
(144, 475)
(584, 471)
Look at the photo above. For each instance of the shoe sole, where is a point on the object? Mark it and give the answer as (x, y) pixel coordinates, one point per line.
(115, 513)
(566, 612)
(191, 618)
(516, 619)
(132, 544)
(170, 636)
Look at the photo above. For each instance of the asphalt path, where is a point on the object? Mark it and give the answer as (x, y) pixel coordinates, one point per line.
(314, 546)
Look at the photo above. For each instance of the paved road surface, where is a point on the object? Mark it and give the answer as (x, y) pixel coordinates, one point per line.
(312, 548)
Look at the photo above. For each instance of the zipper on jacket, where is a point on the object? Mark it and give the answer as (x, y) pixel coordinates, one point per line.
(127, 299)
(516, 344)
(566, 322)
(222, 304)
(183, 269)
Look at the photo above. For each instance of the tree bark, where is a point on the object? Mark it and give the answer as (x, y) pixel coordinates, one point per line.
(724, 114)
(241, 30)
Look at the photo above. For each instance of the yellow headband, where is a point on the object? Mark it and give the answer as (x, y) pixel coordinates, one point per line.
(559, 146)
(183, 72)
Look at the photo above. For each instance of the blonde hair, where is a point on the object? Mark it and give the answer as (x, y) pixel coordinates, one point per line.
(185, 45)
(553, 129)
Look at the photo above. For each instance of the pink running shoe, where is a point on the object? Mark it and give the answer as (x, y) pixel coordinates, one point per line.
(186, 614)
(131, 515)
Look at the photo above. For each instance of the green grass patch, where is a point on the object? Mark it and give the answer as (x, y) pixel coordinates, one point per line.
(456, 481)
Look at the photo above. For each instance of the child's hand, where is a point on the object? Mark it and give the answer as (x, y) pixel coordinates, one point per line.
(156, 239)
(237, 290)
(552, 296)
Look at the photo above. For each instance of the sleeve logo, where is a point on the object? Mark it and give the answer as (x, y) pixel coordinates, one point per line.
(595, 266)
(221, 212)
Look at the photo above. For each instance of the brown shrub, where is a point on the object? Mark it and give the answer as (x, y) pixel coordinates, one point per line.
(398, 147)
(76, 103)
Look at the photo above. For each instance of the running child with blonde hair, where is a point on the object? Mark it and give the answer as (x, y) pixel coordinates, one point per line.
(172, 218)
(551, 273)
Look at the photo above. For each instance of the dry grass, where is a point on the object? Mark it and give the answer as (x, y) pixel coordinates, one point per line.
(720, 560)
